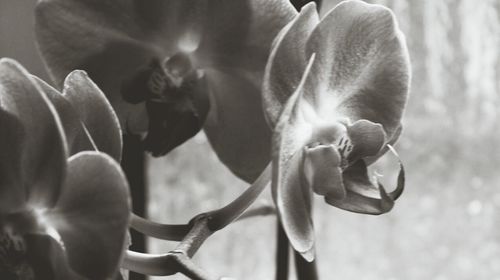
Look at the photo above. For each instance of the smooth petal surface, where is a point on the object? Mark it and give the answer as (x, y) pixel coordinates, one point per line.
(100, 37)
(48, 259)
(293, 201)
(43, 159)
(111, 40)
(92, 215)
(364, 70)
(290, 191)
(96, 113)
(323, 172)
(395, 136)
(236, 127)
(238, 34)
(286, 62)
(367, 139)
(72, 32)
(12, 138)
(76, 136)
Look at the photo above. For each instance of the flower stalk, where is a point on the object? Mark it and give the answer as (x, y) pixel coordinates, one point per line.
(192, 235)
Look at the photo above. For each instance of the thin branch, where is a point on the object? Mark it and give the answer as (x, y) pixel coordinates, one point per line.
(263, 210)
(226, 215)
(176, 261)
(200, 228)
(160, 231)
(218, 218)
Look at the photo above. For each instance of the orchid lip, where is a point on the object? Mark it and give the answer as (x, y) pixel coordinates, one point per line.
(13, 255)
(176, 101)
(13, 246)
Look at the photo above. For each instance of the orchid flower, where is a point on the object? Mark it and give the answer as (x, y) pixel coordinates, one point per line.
(60, 218)
(170, 66)
(334, 90)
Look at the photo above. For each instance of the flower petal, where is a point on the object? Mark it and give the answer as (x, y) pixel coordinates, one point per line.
(12, 138)
(291, 195)
(76, 137)
(48, 259)
(362, 195)
(100, 37)
(238, 34)
(112, 40)
(286, 62)
(322, 170)
(236, 126)
(371, 159)
(92, 215)
(293, 202)
(367, 139)
(364, 70)
(70, 32)
(95, 112)
(43, 159)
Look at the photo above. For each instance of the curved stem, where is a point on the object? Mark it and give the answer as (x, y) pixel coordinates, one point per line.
(160, 231)
(177, 260)
(156, 265)
(263, 210)
(217, 219)
(198, 230)
(224, 216)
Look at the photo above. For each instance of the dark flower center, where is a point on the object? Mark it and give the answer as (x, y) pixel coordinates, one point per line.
(13, 262)
(336, 137)
(176, 100)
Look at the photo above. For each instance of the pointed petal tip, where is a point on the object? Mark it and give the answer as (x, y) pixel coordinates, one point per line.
(95, 111)
(308, 8)
(8, 61)
(309, 255)
(11, 64)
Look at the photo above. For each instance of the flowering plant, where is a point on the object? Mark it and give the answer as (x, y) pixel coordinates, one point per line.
(61, 216)
(289, 100)
(171, 67)
(335, 97)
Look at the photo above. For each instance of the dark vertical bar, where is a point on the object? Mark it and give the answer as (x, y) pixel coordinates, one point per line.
(282, 254)
(305, 270)
(133, 165)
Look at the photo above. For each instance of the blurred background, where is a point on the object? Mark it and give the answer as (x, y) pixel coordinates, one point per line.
(447, 223)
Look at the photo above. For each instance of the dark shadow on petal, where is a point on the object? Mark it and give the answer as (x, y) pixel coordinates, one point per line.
(367, 138)
(44, 152)
(92, 215)
(12, 138)
(76, 137)
(362, 195)
(96, 113)
(48, 259)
